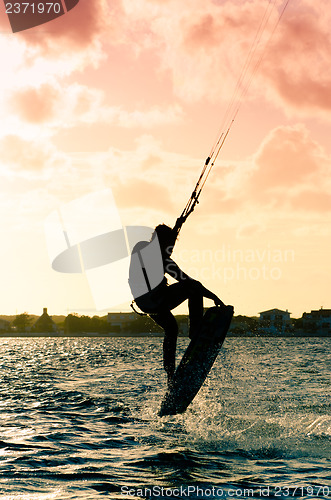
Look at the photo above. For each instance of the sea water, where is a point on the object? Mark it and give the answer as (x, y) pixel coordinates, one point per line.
(79, 421)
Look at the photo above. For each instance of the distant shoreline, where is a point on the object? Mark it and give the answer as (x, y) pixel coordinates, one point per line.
(299, 334)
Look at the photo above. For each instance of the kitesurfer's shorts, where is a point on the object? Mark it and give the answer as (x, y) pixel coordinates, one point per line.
(152, 301)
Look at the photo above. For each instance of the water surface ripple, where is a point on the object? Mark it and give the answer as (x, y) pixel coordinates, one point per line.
(79, 421)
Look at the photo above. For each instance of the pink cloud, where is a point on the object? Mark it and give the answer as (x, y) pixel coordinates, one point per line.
(204, 33)
(287, 158)
(76, 30)
(205, 46)
(63, 105)
(216, 200)
(36, 105)
(312, 201)
(141, 193)
(297, 63)
(24, 155)
(67, 106)
(290, 172)
(151, 162)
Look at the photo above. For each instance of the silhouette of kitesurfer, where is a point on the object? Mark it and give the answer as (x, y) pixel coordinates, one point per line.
(159, 300)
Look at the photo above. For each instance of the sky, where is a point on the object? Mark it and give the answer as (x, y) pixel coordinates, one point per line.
(129, 96)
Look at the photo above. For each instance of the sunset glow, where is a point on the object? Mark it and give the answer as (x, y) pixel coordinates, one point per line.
(129, 95)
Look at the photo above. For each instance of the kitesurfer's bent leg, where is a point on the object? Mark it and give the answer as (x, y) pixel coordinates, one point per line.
(177, 293)
(169, 324)
(174, 295)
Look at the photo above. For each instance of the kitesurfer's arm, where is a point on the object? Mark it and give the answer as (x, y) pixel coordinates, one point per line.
(174, 271)
(179, 222)
(205, 292)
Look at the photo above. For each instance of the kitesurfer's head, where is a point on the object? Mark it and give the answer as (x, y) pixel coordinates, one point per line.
(167, 238)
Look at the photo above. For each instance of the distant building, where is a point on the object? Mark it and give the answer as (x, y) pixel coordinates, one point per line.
(275, 321)
(243, 325)
(44, 323)
(317, 321)
(118, 321)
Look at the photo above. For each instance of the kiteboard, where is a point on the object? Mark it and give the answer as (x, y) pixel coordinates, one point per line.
(197, 361)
